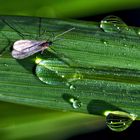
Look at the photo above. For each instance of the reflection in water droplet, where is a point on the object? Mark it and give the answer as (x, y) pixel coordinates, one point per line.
(119, 121)
(113, 24)
(75, 103)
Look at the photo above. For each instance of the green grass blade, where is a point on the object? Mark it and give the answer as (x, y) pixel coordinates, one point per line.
(114, 57)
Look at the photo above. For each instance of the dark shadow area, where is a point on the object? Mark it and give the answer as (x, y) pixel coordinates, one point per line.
(67, 97)
(130, 17)
(98, 107)
(106, 134)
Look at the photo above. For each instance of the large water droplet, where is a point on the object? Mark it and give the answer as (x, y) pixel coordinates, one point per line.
(118, 120)
(48, 76)
(56, 72)
(113, 24)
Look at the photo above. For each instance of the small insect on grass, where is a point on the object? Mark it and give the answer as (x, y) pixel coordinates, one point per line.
(25, 48)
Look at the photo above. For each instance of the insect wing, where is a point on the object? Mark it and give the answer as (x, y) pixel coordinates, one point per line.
(21, 45)
(25, 48)
(20, 55)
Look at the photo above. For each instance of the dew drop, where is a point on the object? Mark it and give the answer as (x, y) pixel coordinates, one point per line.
(113, 24)
(75, 76)
(118, 120)
(72, 87)
(63, 76)
(56, 72)
(75, 103)
(105, 43)
(48, 75)
(72, 100)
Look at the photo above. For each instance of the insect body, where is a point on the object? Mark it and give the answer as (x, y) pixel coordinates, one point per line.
(26, 48)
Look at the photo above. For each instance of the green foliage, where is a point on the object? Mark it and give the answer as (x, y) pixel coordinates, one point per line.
(110, 72)
(19, 84)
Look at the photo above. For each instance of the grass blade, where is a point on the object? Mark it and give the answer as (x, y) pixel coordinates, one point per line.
(114, 84)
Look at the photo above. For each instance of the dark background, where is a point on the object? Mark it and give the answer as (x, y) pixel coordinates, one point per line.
(129, 134)
(130, 17)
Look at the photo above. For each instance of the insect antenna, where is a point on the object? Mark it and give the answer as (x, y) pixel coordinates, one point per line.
(55, 38)
(59, 55)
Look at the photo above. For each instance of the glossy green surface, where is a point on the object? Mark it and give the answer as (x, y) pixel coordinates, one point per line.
(108, 62)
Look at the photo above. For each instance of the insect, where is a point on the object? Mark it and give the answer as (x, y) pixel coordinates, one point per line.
(25, 48)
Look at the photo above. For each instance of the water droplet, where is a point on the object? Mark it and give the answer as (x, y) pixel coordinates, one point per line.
(72, 87)
(75, 103)
(63, 76)
(47, 75)
(76, 76)
(105, 43)
(113, 24)
(56, 72)
(118, 120)
(72, 100)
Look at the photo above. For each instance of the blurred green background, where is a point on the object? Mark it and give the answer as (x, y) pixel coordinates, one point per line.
(23, 122)
(64, 8)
